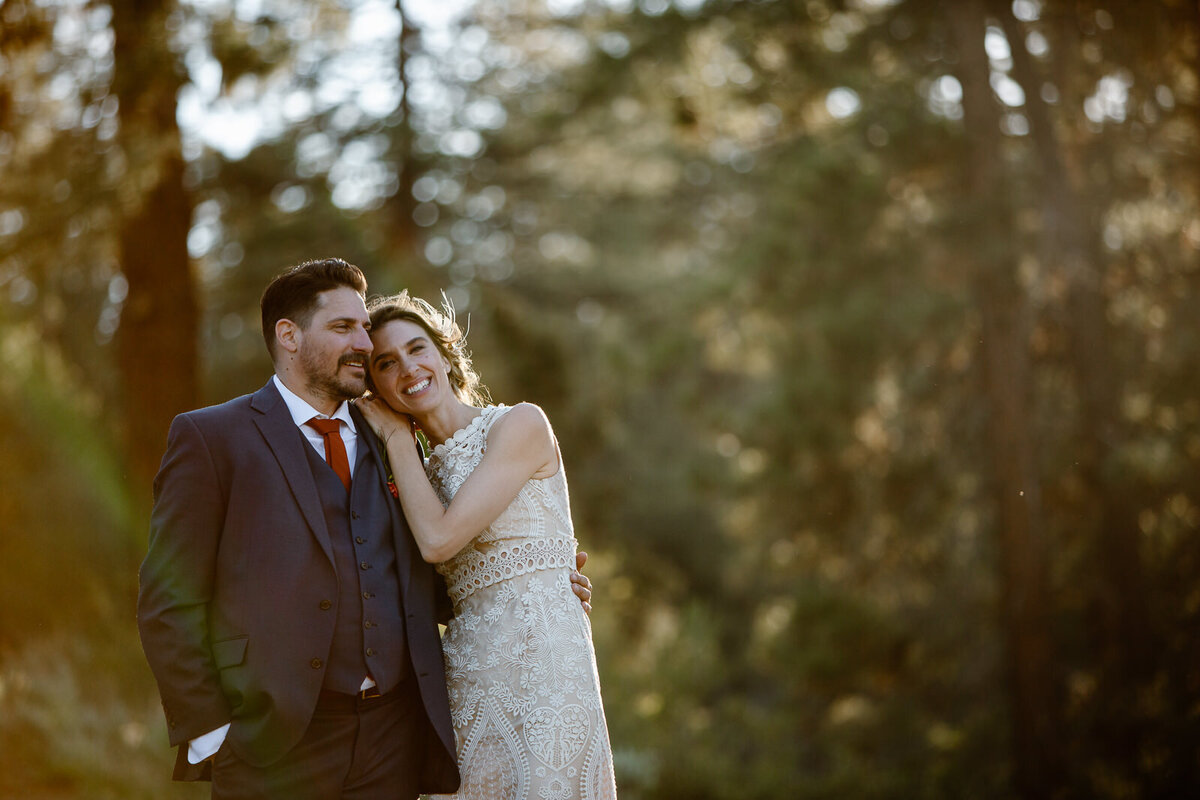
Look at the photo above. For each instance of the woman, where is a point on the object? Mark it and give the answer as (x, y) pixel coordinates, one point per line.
(490, 508)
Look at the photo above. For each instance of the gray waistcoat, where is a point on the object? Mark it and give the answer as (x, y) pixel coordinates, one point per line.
(369, 636)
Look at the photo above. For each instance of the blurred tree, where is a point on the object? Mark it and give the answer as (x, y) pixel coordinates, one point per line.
(987, 222)
(156, 340)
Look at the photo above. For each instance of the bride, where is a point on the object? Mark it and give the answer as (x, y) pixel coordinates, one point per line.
(490, 507)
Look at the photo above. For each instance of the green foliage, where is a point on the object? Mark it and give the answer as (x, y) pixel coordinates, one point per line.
(78, 721)
(69, 527)
(755, 326)
(77, 712)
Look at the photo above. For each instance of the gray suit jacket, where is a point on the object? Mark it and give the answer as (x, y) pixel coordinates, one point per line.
(239, 562)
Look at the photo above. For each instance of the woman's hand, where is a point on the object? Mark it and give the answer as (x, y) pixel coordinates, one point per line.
(386, 421)
(580, 584)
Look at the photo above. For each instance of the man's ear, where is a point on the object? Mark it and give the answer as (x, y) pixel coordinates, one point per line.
(288, 335)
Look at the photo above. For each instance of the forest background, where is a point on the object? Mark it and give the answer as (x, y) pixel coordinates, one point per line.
(868, 328)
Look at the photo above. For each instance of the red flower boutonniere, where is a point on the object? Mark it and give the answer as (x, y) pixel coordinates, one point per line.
(423, 448)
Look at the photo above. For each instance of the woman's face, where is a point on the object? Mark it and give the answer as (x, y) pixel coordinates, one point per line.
(408, 371)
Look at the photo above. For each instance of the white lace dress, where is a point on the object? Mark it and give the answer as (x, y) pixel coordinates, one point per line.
(520, 667)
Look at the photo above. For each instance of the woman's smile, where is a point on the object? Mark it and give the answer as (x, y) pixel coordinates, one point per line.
(419, 386)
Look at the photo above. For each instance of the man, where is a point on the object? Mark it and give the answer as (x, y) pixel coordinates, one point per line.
(285, 610)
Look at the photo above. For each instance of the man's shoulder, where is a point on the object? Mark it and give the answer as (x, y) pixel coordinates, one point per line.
(230, 409)
(238, 405)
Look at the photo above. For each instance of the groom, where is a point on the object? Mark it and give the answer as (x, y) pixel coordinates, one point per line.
(284, 609)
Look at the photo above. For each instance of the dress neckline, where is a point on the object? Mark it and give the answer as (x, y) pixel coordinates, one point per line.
(464, 433)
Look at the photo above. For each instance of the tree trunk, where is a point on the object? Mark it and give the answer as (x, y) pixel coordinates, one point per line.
(1071, 244)
(1025, 595)
(1125, 646)
(156, 341)
(403, 229)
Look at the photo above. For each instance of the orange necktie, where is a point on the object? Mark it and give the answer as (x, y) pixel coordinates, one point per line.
(335, 448)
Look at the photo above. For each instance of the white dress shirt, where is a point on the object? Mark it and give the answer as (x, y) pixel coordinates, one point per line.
(302, 412)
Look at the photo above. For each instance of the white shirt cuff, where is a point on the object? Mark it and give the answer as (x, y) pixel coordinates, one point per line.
(205, 746)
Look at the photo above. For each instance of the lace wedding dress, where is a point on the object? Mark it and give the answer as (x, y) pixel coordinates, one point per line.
(520, 667)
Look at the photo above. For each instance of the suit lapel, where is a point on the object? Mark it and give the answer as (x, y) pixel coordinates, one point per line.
(275, 423)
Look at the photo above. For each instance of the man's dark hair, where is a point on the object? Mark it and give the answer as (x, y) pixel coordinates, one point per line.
(293, 293)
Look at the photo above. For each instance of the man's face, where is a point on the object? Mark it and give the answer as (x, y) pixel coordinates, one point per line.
(334, 347)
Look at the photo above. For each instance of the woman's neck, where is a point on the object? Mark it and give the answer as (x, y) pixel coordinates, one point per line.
(444, 421)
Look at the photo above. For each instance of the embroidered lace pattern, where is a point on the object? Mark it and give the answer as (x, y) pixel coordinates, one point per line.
(481, 566)
(520, 667)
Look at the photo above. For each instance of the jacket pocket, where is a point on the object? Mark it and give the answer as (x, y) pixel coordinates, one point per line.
(230, 652)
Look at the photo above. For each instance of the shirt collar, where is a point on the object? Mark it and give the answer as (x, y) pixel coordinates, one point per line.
(302, 412)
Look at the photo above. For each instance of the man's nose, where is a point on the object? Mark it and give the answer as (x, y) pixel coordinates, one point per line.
(363, 341)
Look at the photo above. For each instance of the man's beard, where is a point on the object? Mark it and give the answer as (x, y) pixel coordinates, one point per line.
(332, 385)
